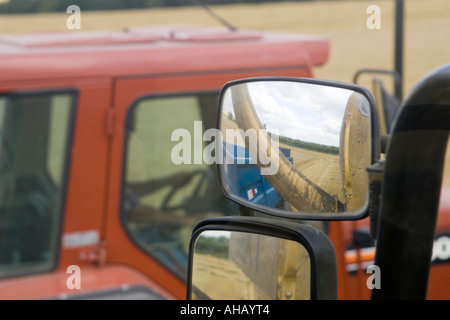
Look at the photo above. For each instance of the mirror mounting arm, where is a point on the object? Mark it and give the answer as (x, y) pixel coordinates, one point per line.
(384, 139)
(375, 172)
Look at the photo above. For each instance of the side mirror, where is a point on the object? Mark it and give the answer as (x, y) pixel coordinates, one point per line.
(249, 258)
(298, 148)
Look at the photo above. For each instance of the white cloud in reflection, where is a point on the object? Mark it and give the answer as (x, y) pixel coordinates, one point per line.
(308, 112)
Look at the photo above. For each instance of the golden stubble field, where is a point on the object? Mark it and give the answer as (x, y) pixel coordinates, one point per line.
(353, 45)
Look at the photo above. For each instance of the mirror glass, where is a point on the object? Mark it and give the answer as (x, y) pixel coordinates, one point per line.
(296, 148)
(232, 265)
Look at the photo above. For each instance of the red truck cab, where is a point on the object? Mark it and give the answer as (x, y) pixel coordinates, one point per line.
(91, 203)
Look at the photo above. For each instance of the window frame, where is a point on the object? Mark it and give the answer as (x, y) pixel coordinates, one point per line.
(128, 115)
(74, 93)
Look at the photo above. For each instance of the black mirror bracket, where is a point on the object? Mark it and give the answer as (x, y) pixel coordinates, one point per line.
(376, 172)
(384, 140)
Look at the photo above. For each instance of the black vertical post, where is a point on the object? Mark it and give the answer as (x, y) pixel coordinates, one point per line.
(399, 8)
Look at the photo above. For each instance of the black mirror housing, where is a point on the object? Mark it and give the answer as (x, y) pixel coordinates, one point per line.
(322, 273)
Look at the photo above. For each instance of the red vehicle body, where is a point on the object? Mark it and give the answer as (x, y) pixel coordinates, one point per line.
(113, 87)
(352, 260)
(102, 75)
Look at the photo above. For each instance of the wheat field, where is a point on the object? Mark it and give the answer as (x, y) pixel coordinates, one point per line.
(353, 45)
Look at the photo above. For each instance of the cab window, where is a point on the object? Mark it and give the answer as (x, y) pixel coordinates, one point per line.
(166, 189)
(35, 131)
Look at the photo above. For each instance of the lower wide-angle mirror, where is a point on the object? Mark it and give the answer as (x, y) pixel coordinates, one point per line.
(245, 259)
(297, 147)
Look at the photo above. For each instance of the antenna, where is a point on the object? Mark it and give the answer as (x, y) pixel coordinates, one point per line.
(214, 15)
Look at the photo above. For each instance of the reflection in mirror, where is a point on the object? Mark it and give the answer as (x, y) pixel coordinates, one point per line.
(231, 265)
(298, 147)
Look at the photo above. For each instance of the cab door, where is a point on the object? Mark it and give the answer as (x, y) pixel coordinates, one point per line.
(154, 200)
